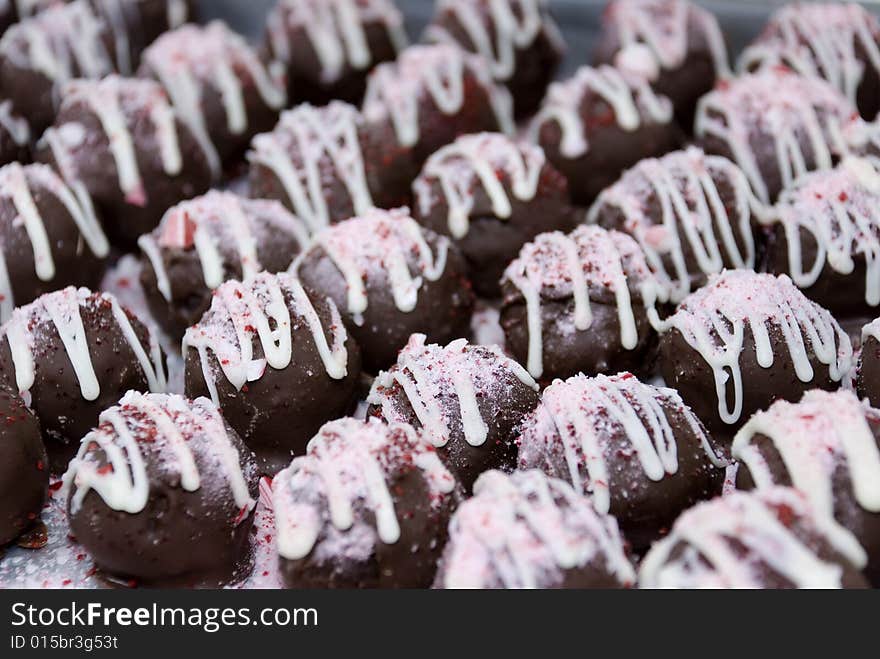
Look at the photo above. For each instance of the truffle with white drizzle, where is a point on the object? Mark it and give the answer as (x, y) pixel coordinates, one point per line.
(218, 86)
(71, 354)
(313, 162)
(47, 239)
(491, 194)
(598, 123)
(326, 48)
(692, 214)
(775, 125)
(390, 278)
(675, 44)
(745, 340)
(828, 447)
(580, 303)
(422, 102)
(121, 147)
(635, 449)
(526, 530)
(825, 234)
(276, 359)
(519, 38)
(366, 507)
(867, 380)
(836, 41)
(13, 11)
(163, 493)
(15, 135)
(203, 242)
(860, 138)
(468, 400)
(769, 539)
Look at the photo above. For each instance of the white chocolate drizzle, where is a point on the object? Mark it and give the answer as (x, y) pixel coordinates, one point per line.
(172, 430)
(350, 464)
(694, 216)
(396, 90)
(477, 160)
(433, 376)
(590, 259)
(714, 320)
(17, 127)
(579, 417)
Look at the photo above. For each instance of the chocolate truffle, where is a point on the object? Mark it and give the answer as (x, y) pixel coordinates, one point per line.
(313, 162)
(598, 123)
(206, 241)
(327, 47)
(745, 340)
(47, 239)
(825, 234)
(774, 124)
(769, 539)
(24, 468)
(162, 493)
(390, 278)
(13, 11)
(580, 303)
(468, 401)
(218, 86)
(828, 447)
(676, 45)
(421, 102)
(366, 507)
(526, 530)
(277, 360)
(692, 214)
(119, 139)
(836, 41)
(637, 450)
(519, 39)
(868, 371)
(491, 194)
(15, 136)
(72, 354)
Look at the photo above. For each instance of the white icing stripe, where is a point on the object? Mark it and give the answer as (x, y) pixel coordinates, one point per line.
(17, 127)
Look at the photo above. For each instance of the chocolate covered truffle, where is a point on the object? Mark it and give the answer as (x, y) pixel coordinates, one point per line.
(72, 354)
(218, 86)
(15, 135)
(868, 371)
(774, 124)
(580, 303)
(48, 240)
(390, 278)
(745, 340)
(519, 39)
(828, 447)
(119, 139)
(468, 401)
(692, 214)
(637, 450)
(421, 102)
(825, 234)
(367, 507)
(276, 359)
(327, 47)
(836, 41)
(313, 162)
(526, 530)
(675, 44)
(162, 493)
(770, 539)
(598, 123)
(24, 468)
(206, 241)
(491, 194)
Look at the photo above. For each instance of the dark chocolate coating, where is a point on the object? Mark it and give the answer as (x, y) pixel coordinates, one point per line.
(686, 371)
(868, 374)
(279, 413)
(442, 313)
(24, 467)
(180, 539)
(56, 398)
(864, 524)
